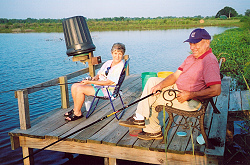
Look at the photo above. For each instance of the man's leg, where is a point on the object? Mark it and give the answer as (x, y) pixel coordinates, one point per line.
(143, 108)
(152, 128)
(146, 109)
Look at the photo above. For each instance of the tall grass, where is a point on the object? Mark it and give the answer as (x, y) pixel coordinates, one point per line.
(119, 25)
(234, 45)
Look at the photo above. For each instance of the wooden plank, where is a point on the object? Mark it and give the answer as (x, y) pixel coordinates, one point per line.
(109, 161)
(91, 66)
(179, 143)
(14, 141)
(154, 145)
(199, 149)
(28, 152)
(126, 57)
(127, 140)
(143, 144)
(23, 106)
(43, 85)
(80, 57)
(245, 100)
(102, 150)
(235, 101)
(104, 134)
(119, 132)
(171, 142)
(64, 92)
(219, 123)
(70, 127)
(88, 132)
(49, 123)
(50, 113)
(170, 136)
(77, 73)
(95, 116)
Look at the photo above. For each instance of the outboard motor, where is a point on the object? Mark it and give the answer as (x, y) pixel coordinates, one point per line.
(77, 36)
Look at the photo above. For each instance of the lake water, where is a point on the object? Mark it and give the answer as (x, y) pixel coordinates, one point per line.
(32, 58)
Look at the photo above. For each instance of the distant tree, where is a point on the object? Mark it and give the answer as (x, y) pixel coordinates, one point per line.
(122, 18)
(247, 13)
(228, 11)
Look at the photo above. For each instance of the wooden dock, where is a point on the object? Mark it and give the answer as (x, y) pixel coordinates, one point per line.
(110, 140)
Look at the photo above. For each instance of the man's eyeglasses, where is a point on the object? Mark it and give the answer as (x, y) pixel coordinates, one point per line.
(107, 71)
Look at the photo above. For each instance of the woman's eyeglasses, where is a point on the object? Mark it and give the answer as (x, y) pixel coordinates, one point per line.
(107, 71)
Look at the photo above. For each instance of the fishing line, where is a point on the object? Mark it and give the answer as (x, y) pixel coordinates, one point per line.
(158, 91)
(43, 86)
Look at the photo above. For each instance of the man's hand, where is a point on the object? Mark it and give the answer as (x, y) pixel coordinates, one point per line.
(183, 96)
(211, 91)
(155, 89)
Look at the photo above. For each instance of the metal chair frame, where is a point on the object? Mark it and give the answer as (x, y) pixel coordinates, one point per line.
(112, 97)
(198, 114)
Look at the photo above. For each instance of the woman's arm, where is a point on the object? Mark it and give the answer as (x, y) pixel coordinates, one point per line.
(101, 83)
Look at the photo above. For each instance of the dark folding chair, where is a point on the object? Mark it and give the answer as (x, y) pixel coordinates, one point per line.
(115, 94)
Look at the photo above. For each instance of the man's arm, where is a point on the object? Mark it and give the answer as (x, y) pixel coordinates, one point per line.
(170, 80)
(211, 91)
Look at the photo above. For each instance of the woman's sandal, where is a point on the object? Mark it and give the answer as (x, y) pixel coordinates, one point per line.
(73, 117)
(69, 113)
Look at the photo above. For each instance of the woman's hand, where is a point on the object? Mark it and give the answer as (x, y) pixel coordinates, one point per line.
(94, 78)
(85, 82)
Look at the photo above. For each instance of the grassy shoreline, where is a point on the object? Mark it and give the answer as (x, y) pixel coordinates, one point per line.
(122, 25)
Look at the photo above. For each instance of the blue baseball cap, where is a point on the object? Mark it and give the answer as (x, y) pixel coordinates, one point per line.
(197, 35)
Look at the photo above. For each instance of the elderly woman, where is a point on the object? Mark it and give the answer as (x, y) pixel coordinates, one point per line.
(108, 75)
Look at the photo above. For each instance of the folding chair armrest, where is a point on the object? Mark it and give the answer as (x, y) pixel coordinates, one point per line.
(106, 86)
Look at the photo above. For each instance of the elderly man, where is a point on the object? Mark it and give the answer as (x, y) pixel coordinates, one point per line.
(197, 78)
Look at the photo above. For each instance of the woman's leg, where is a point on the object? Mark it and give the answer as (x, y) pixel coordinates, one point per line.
(73, 93)
(74, 89)
(78, 92)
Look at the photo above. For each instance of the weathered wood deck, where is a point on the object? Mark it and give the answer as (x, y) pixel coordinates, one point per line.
(110, 140)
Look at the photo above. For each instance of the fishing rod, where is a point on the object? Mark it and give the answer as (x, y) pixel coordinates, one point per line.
(158, 91)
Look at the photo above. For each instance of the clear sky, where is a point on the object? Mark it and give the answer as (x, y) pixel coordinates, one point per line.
(54, 9)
